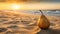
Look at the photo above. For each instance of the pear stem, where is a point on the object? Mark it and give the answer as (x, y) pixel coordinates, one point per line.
(41, 12)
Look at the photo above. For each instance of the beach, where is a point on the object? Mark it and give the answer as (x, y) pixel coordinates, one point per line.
(21, 23)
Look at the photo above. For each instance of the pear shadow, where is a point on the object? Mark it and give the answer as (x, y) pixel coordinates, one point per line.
(50, 31)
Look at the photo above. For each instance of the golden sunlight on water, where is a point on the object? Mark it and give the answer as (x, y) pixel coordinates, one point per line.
(30, 6)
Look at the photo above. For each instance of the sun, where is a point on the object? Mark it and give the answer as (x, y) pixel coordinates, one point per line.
(15, 6)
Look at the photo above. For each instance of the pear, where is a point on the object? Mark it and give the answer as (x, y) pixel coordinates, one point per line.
(43, 23)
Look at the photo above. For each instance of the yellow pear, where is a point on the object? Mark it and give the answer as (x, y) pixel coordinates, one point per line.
(43, 22)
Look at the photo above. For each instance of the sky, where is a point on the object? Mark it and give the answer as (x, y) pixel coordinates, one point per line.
(30, 0)
(37, 5)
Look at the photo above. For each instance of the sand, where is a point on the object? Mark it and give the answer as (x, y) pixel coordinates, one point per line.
(19, 23)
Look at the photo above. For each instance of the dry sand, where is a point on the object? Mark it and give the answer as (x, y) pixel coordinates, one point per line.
(19, 23)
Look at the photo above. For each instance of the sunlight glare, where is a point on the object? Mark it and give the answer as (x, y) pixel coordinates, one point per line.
(15, 6)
